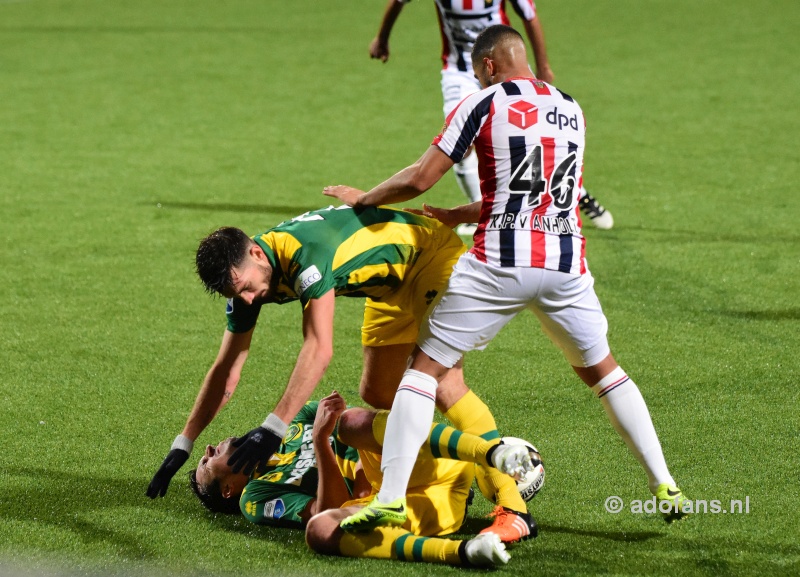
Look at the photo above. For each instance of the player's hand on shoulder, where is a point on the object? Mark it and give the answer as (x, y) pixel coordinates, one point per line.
(417, 211)
(347, 194)
(446, 216)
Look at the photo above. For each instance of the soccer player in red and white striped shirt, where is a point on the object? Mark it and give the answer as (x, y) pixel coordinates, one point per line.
(528, 254)
(460, 22)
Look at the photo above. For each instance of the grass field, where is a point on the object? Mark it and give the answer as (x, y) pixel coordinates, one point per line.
(129, 130)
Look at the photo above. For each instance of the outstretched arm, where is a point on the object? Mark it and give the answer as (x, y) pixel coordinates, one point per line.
(220, 382)
(255, 448)
(409, 183)
(218, 386)
(379, 47)
(314, 357)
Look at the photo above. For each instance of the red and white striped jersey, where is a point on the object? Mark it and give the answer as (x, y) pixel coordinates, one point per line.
(530, 138)
(460, 22)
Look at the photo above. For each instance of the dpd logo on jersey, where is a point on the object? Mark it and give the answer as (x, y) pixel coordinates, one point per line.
(523, 114)
(562, 120)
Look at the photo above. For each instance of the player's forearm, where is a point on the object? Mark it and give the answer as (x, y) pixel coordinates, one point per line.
(332, 490)
(218, 386)
(393, 9)
(399, 188)
(220, 382)
(312, 362)
(410, 182)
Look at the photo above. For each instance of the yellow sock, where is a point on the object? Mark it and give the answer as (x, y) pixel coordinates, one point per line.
(471, 415)
(443, 442)
(449, 443)
(397, 543)
(428, 549)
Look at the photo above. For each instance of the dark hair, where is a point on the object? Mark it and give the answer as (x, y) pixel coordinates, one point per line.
(490, 38)
(211, 496)
(218, 253)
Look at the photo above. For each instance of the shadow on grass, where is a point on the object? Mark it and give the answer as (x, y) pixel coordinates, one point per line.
(692, 236)
(475, 525)
(233, 207)
(132, 29)
(64, 500)
(779, 315)
(622, 536)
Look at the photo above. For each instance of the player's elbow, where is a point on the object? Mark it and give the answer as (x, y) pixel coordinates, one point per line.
(323, 355)
(419, 180)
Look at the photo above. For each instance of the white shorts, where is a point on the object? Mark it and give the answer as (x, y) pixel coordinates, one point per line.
(481, 298)
(456, 86)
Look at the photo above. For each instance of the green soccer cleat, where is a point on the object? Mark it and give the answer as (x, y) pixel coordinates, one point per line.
(376, 514)
(667, 493)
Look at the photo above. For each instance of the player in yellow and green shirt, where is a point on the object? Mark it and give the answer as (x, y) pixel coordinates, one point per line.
(317, 470)
(396, 260)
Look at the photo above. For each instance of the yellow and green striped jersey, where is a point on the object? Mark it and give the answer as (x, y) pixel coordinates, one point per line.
(357, 253)
(281, 493)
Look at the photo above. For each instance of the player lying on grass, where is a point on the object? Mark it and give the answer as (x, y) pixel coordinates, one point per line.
(331, 458)
(398, 262)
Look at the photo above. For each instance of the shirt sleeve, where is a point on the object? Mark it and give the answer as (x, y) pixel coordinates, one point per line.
(275, 504)
(241, 316)
(311, 277)
(464, 124)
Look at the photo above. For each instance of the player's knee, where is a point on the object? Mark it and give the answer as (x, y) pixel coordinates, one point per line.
(353, 423)
(355, 429)
(377, 397)
(322, 534)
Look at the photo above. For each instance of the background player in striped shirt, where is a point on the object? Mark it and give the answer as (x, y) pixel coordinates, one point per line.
(398, 261)
(460, 22)
(318, 470)
(528, 254)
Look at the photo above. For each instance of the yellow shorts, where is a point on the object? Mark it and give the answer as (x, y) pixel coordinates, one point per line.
(436, 500)
(396, 319)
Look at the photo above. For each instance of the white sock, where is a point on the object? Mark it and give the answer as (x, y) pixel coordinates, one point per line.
(407, 427)
(467, 177)
(628, 412)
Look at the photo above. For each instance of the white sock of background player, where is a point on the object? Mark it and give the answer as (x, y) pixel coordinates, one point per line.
(467, 177)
